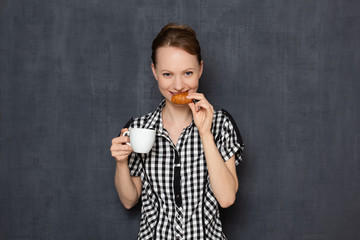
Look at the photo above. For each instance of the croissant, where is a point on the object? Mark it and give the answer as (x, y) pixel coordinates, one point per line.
(180, 98)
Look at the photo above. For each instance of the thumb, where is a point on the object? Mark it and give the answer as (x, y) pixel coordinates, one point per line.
(192, 107)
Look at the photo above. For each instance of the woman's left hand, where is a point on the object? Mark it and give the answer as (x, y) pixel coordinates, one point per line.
(202, 112)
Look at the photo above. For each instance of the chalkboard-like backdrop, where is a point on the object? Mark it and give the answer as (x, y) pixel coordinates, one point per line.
(72, 72)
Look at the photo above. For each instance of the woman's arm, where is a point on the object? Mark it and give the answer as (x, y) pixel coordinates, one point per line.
(127, 186)
(223, 178)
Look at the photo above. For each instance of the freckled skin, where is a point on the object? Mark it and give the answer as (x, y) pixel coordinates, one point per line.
(180, 98)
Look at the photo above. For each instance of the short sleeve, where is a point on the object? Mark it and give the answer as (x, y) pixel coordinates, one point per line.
(229, 141)
(134, 163)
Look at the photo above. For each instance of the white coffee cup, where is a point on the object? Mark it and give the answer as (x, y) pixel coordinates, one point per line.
(141, 139)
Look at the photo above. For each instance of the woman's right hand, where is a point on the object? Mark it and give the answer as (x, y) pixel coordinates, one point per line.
(119, 149)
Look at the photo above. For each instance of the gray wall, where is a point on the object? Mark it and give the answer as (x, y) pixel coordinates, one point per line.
(73, 72)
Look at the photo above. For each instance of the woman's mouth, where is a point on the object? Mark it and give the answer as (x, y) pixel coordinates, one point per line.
(174, 93)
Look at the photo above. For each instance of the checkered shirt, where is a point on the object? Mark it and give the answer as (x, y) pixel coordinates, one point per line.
(177, 200)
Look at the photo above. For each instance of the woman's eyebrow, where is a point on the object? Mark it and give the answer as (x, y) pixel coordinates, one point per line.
(186, 69)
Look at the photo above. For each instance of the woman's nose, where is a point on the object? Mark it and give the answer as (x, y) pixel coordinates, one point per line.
(179, 84)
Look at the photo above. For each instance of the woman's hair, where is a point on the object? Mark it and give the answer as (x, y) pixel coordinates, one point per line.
(177, 35)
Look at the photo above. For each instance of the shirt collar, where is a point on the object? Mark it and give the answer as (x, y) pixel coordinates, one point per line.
(155, 119)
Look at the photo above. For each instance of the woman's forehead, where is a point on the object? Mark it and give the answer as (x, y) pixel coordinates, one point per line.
(175, 58)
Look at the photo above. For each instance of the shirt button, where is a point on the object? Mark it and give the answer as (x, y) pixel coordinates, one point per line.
(177, 196)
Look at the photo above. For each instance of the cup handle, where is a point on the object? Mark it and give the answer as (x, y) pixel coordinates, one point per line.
(127, 134)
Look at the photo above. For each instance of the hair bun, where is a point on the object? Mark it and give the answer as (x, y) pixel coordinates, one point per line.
(177, 27)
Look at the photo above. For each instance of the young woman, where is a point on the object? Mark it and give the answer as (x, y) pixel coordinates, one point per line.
(190, 170)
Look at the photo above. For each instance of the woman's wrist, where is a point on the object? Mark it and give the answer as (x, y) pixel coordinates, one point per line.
(121, 163)
(207, 135)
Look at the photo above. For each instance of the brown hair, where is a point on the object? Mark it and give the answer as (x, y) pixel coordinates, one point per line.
(177, 35)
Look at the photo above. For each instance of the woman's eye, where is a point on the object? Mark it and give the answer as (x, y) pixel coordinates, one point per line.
(188, 73)
(166, 74)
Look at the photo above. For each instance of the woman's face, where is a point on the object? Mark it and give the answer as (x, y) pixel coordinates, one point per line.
(176, 71)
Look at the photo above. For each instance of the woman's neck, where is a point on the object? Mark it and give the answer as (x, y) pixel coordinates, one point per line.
(177, 115)
(175, 119)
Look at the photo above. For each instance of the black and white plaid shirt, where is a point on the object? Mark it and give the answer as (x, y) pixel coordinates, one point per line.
(177, 200)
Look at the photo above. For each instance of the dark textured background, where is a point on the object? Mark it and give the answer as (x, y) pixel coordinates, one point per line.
(73, 72)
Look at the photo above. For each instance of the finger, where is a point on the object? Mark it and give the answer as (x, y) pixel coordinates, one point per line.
(197, 96)
(204, 105)
(121, 140)
(120, 153)
(120, 147)
(116, 140)
(124, 130)
(192, 107)
(196, 107)
(199, 99)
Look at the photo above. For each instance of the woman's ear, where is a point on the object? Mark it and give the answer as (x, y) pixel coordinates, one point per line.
(201, 68)
(154, 71)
